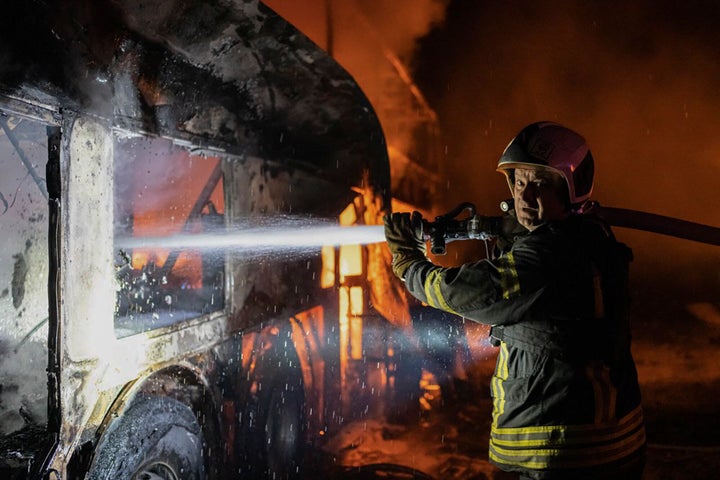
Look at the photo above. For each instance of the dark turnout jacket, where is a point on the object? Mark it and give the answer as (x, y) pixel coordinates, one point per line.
(565, 389)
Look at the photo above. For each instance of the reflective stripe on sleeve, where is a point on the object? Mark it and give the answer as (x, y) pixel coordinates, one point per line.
(509, 281)
(433, 291)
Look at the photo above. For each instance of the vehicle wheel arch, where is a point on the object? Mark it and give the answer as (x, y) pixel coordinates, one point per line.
(178, 383)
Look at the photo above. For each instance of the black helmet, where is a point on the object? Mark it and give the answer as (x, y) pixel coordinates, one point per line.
(556, 148)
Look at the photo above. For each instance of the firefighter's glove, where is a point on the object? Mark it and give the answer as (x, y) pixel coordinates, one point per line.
(404, 235)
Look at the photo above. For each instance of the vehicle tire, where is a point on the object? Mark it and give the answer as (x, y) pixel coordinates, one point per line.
(274, 443)
(156, 438)
(284, 430)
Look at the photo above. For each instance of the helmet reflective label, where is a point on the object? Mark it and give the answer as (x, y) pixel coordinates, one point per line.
(541, 150)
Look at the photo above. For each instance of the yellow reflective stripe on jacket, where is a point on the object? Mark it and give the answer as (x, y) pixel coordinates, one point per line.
(509, 281)
(558, 435)
(501, 374)
(568, 446)
(433, 291)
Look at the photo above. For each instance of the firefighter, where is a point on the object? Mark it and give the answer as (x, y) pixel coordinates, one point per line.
(566, 401)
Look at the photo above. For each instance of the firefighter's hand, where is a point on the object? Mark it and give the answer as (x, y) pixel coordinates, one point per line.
(404, 235)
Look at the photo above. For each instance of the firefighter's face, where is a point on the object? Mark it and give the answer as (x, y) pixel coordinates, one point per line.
(538, 196)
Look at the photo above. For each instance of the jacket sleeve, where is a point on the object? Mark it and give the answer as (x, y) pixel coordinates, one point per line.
(492, 292)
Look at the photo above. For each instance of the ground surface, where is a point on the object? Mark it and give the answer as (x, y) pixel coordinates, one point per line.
(680, 379)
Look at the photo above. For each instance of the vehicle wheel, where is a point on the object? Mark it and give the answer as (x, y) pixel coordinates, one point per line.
(274, 443)
(284, 430)
(156, 438)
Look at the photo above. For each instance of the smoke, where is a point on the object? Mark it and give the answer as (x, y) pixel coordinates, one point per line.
(374, 41)
(401, 22)
(396, 24)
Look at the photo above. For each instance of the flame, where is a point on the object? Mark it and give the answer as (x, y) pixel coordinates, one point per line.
(327, 274)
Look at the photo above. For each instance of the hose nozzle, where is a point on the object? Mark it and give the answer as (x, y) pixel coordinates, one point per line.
(446, 228)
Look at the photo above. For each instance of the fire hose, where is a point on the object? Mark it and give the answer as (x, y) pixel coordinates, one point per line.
(449, 227)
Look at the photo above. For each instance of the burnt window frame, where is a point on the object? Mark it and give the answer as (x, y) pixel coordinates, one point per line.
(215, 180)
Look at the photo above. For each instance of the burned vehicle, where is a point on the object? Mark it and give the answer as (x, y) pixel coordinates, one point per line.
(125, 357)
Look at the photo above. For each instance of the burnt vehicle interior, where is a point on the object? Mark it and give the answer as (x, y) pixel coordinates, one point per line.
(161, 190)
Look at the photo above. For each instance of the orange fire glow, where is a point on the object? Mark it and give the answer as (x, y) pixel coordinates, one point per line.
(151, 218)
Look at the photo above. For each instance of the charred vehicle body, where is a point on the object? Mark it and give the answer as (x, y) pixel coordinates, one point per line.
(132, 120)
